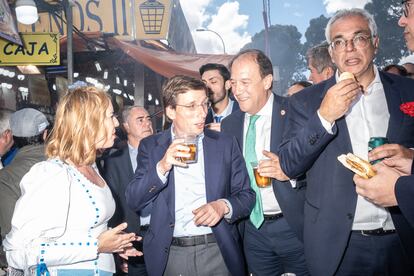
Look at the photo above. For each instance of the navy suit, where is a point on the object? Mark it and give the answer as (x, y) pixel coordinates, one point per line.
(225, 177)
(118, 172)
(290, 200)
(330, 196)
(209, 117)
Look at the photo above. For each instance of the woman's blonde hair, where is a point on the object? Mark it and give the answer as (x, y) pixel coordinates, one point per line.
(79, 124)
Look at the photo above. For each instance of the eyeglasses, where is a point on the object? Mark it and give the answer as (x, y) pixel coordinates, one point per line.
(359, 41)
(406, 7)
(193, 107)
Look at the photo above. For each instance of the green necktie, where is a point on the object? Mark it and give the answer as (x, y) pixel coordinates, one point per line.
(256, 216)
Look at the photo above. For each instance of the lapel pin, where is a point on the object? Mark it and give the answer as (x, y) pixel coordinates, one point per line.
(282, 112)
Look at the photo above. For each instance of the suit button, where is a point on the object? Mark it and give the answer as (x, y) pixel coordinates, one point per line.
(172, 225)
(312, 141)
(350, 216)
(166, 249)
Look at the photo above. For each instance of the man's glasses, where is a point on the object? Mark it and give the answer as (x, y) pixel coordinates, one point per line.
(360, 41)
(406, 7)
(193, 107)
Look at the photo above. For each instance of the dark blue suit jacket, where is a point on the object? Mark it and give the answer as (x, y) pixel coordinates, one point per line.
(210, 119)
(330, 196)
(226, 177)
(290, 200)
(118, 173)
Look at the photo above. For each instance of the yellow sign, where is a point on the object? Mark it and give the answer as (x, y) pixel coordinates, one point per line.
(109, 16)
(37, 49)
(152, 18)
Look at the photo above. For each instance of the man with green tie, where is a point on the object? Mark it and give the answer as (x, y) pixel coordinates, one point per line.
(273, 233)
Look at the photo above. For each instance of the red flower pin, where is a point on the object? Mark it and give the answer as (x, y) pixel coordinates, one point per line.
(408, 108)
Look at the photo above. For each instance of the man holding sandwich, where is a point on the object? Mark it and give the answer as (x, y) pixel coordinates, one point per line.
(346, 234)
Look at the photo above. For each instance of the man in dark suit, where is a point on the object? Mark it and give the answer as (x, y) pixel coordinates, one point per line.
(345, 234)
(272, 234)
(216, 77)
(118, 172)
(192, 230)
(394, 183)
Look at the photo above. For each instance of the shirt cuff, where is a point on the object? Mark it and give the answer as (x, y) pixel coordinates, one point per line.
(326, 125)
(162, 177)
(230, 213)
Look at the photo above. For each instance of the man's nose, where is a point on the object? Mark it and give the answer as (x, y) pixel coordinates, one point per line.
(402, 22)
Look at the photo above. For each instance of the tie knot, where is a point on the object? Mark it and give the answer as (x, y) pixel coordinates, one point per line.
(253, 119)
(218, 118)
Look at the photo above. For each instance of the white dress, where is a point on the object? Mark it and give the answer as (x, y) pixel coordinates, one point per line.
(57, 220)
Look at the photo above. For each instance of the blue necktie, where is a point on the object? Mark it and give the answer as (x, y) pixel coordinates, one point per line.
(217, 119)
(256, 216)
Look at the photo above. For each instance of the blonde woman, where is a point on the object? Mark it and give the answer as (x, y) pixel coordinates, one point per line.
(59, 225)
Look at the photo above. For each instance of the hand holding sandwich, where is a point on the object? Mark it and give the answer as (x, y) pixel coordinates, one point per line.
(339, 98)
(379, 189)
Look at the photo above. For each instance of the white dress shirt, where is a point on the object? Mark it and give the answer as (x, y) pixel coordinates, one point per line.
(263, 132)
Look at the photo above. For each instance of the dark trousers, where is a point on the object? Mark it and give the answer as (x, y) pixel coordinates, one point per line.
(273, 249)
(136, 265)
(374, 256)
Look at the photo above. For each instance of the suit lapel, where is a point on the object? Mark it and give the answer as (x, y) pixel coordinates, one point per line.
(212, 164)
(164, 142)
(393, 97)
(127, 162)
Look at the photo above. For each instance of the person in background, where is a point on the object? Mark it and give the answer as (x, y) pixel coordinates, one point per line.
(59, 223)
(7, 151)
(410, 68)
(396, 70)
(29, 128)
(216, 77)
(297, 86)
(273, 234)
(320, 63)
(195, 206)
(118, 172)
(344, 233)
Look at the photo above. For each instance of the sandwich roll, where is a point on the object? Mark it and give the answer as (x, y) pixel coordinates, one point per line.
(357, 165)
(346, 75)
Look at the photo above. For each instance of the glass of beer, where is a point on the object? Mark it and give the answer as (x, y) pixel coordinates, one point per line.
(191, 142)
(261, 181)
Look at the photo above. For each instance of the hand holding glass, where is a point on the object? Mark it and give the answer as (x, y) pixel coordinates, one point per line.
(261, 181)
(191, 142)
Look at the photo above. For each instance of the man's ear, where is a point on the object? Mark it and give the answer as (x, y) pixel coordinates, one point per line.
(267, 81)
(170, 112)
(376, 43)
(227, 85)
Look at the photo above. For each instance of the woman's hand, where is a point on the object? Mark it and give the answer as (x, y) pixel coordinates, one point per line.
(115, 239)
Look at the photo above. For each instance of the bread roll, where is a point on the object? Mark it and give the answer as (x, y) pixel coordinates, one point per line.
(357, 165)
(346, 75)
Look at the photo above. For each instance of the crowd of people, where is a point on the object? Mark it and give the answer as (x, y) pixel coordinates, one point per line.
(243, 182)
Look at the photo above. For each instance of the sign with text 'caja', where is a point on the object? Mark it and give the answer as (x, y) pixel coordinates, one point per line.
(37, 49)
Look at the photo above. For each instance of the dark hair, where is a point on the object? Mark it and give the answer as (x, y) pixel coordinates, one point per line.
(319, 57)
(401, 69)
(302, 83)
(178, 85)
(224, 72)
(265, 65)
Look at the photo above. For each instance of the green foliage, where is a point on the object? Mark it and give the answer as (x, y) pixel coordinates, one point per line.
(392, 45)
(285, 52)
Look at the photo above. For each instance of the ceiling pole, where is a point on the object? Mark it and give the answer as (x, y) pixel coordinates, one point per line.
(69, 32)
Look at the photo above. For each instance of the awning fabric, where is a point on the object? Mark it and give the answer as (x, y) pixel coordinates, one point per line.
(166, 63)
